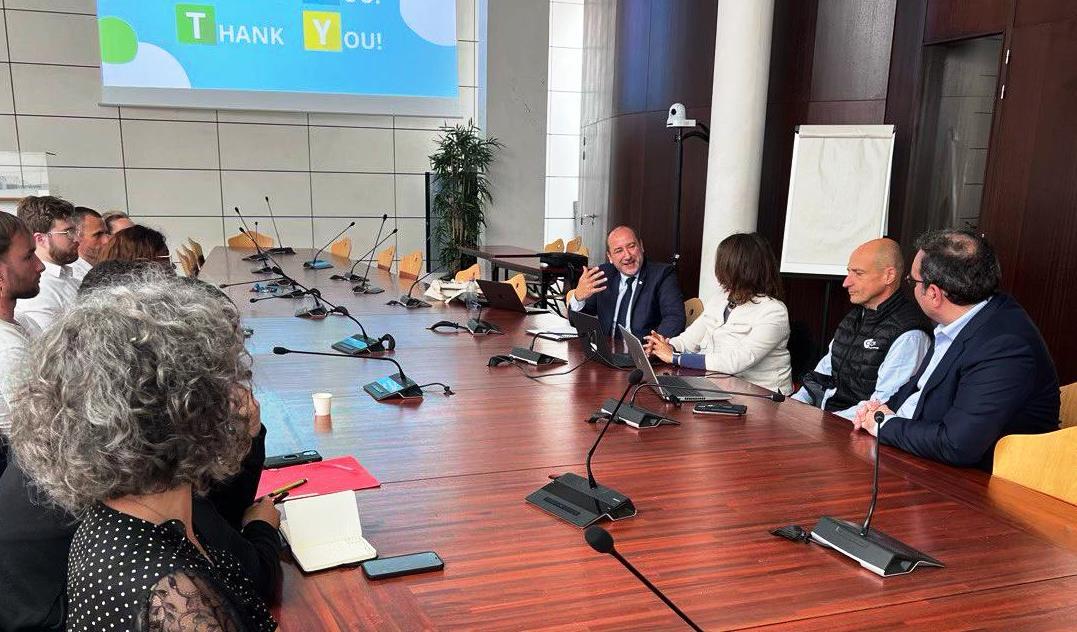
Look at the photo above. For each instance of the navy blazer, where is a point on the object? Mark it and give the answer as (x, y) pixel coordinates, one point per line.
(996, 379)
(657, 302)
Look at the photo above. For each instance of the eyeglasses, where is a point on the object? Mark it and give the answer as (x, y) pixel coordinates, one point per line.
(70, 233)
(911, 281)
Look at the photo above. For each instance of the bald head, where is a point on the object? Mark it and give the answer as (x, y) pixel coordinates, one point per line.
(874, 272)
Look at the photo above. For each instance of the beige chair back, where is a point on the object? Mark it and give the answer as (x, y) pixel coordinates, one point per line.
(188, 261)
(244, 240)
(1046, 463)
(574, 244)
(1068, 414)
(342, 247)
(693, 307)
(584, 250)
(555, 246)
(519, 283)
(411, 265)
(196, 248)
(468, 274)
(385, 258)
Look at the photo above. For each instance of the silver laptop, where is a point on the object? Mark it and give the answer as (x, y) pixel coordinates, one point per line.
(685, 389)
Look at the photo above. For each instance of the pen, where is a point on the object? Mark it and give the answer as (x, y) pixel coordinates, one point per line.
(279, 498)
(288, 487)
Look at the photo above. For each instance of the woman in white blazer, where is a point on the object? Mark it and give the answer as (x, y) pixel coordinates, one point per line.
(744, 330)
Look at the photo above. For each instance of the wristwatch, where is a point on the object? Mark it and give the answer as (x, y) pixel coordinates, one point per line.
(676, 359)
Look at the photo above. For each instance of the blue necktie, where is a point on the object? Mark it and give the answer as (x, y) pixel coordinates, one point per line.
(622, 309)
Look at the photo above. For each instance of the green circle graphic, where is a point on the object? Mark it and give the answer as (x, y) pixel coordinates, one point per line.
(119, 42)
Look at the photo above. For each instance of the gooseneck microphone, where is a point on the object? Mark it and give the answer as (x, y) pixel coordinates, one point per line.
(407, 300)
(260, 254)
(351, 276)
(317, 264)
(275, 281)
(601, 541)
(582, 501)
(871, 548)
(292, 294)
(280, 249)
(879, 419)
(397, 385)
(634, 378)
(355, 344)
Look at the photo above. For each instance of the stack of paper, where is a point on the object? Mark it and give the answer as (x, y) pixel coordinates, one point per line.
(324, 531)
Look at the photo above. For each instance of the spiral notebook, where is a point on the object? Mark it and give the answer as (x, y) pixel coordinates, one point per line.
(325, 531)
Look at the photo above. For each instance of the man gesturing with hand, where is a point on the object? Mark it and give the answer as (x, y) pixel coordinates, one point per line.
(629, 290)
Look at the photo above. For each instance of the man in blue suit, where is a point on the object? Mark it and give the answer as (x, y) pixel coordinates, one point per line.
(989, 374)
(629, 290)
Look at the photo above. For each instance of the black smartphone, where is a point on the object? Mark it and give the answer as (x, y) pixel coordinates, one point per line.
(396, 566)
(719, 408)
(298, 458)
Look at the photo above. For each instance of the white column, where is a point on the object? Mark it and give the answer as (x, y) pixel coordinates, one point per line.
(738, 114)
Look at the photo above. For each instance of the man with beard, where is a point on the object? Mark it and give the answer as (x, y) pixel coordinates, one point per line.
(93, 235)
(50, 219)
(20, 271)
(629, 290)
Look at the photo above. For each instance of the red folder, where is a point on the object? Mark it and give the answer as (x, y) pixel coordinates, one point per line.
(324, 477)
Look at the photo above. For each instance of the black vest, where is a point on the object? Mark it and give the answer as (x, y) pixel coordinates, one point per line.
(860, 344)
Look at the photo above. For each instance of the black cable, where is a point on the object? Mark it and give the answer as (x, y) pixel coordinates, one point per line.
(512, 361)
(448, 389)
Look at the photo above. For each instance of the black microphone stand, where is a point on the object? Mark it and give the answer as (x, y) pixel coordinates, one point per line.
(317, 264)
(582, 501)
(397, 385)
(351, 276)
(364, 286)
(263, 255)
(872, 549)
(259, 255)
(280, 249)
(407, 300)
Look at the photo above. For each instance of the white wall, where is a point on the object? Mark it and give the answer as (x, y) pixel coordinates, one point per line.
(183, 171)
(517, 65)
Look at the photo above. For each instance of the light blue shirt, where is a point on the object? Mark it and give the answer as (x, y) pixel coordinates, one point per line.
(944, 337)
(900, 364)
(576, 304)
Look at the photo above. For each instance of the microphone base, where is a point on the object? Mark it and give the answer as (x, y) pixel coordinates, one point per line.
(482, 327)
(570, 498)
(263, 270)
(317, 264)
(318, 312)
(364, 287)
(393, 387)
(875, 551)
(351, 277)
(261, 256)
(524, 354)
(358, 344)
(633, 416)
(281, 250)
(410, 302)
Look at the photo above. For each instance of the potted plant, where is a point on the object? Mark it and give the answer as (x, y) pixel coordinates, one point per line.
(460, 169)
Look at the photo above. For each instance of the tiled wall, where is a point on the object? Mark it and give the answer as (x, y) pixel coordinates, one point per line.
(183, 171)
(563, 119)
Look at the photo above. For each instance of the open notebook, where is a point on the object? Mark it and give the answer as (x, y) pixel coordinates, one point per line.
(324, 531)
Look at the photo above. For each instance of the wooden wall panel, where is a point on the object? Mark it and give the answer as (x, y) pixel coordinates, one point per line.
(852, 49)
(665, 54)
(960, 19)
(1030, 209)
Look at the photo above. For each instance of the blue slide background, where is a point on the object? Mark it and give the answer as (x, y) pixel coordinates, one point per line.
(406, 65)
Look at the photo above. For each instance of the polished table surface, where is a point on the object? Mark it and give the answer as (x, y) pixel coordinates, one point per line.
(455, 471)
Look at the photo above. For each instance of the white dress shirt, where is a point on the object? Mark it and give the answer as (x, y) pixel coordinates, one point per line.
(80, 268)
(14, 345)
(58, 289)
(900, 364)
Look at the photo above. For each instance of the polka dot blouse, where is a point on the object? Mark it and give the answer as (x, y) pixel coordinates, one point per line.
(124, 573)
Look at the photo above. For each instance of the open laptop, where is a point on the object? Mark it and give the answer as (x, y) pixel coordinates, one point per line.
(596, 342)
(686, 389)
(503, 296)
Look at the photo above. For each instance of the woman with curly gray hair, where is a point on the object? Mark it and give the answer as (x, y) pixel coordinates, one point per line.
(122, 427)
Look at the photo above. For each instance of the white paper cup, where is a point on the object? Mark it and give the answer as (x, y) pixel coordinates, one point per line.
(323, 402)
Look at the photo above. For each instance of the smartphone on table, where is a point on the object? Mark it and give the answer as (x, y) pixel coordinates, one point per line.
(385, 567)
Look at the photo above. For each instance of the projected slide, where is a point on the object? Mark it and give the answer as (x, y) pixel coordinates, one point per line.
(364, 56)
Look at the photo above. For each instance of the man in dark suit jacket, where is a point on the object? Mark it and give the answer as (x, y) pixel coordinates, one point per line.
(629, 290)
(989, 374)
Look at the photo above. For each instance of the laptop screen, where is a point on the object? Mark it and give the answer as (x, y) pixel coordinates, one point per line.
(639, 356)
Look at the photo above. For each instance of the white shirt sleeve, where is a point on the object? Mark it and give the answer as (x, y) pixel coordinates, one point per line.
(900, 364)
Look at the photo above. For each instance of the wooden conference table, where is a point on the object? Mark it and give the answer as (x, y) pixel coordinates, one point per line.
(455, 471)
